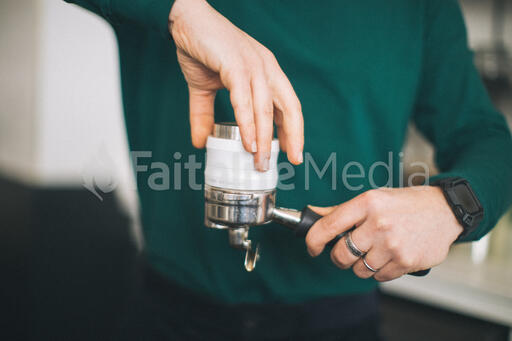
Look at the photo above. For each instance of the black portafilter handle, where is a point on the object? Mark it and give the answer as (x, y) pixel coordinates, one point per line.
(309, 217)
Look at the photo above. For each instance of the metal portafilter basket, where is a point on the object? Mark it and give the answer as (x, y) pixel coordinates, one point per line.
(238, 197)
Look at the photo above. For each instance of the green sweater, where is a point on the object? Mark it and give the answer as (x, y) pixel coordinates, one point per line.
(362, 71)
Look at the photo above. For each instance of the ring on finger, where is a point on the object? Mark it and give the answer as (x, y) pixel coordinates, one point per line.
(352, 247)
(368, 266)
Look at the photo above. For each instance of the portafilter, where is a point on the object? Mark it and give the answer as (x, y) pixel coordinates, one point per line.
(238, 197)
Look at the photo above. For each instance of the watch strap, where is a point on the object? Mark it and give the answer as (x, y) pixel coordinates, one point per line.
(468, 220)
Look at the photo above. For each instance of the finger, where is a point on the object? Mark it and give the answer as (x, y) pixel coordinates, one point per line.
(344, 217)
(292, 123)
(341, 256)
(390, 271)
(376, 258)
(241, 100)
(338, 264)
(342, 253)
(201, 103)
(323, 211)
(264, 118)
(363, 237)
(278, 120)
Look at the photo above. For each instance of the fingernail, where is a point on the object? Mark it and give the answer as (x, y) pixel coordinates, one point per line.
(265, 164)
(301, 158)
(254, 147)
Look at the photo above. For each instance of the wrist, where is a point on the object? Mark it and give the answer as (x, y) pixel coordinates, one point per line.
(175, 13)
(453, 227)
(180, 7)
(463, 202)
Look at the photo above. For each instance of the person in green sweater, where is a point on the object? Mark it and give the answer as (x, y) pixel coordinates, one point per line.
(341, 77)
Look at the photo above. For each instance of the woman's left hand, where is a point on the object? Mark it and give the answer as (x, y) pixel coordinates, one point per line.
(401, 230)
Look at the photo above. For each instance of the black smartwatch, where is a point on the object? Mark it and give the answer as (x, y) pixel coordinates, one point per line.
(463, 202)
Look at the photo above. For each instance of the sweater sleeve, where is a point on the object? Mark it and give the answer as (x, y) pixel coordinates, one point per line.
(152, 14)
(454, 112)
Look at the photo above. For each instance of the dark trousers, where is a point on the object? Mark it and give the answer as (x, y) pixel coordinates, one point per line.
(165, 311)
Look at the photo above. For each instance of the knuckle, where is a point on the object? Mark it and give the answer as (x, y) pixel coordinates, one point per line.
(383, 224)
(254, 65)
(310, 241)
(365, 274)
(236, 74)
(369, 197)
(392, 244)
(241, 105)
(359, 272)
(267, 55)
(250, 58)
(404, 260)
(295, 108)
(340, 259)
(245, 123)
(444, 253)
(338, 265)
(242, 71)
(329, 226)
(343, 261)
(373, 199)
(267, 111)
(382, 277)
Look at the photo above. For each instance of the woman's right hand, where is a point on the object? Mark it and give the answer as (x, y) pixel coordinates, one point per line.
(214, 54)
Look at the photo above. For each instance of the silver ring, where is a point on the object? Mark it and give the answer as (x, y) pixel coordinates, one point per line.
(368, 266)
(352, 247)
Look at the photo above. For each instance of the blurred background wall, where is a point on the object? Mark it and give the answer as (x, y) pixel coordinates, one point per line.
(61, 122)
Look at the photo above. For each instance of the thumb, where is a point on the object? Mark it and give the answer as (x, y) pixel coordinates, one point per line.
(323, 211)
(201, 103)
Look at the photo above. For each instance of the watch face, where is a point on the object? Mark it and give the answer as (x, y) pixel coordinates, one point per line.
(466, 198)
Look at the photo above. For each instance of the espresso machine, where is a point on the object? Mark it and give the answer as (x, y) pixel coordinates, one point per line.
(237, 197)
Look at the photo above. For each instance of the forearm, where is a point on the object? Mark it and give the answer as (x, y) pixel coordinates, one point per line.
(483, 156)
(455, 113)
